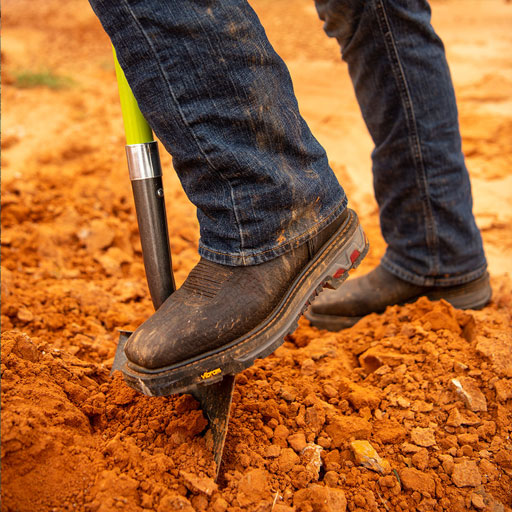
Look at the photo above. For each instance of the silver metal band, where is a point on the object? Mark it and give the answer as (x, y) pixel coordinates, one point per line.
(143, 161)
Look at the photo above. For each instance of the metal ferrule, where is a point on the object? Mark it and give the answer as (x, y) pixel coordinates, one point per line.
(143, 161)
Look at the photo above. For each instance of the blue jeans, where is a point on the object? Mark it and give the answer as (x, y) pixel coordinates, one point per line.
(222, 103)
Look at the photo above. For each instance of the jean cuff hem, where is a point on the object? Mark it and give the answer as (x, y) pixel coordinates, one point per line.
(257, 257)
(446, 280)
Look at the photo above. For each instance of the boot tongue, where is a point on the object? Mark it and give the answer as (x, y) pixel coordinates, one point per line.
(206, 278)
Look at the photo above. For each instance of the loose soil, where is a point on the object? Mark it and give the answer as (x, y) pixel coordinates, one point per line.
(428, 387)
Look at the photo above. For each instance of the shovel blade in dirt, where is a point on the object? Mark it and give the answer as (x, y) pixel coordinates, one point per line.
(214, 399)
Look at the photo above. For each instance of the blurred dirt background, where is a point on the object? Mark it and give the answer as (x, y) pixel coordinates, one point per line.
(428, 387)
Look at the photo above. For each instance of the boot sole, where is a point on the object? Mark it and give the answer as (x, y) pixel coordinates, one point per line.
(474, 295)
(330, 267)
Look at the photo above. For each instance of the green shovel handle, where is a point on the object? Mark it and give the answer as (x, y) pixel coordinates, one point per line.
(136, 128)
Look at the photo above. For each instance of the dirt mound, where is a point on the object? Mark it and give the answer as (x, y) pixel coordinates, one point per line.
(419, 383)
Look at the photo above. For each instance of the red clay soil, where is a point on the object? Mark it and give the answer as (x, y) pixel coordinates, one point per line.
(428, 387)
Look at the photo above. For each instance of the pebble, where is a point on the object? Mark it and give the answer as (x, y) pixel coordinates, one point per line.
(503, 390)
(477, 501)
(297, 441)
(455, 418)
(403, 402)
(366, 455)
(197, 484)
(466, 474)
(287, 460)
(423, 437)
(415, 480)
(272, 451)
(420, 459)
(311, 455)
(470, 392)
(25, 315)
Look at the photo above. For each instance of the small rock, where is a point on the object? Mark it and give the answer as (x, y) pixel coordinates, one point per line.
(287, 460)
(197, 484)
(403, 402)
(421, 406)
(25, 315)
(388, 431)
(330, 391)
(489, 470)
(504, 459)
(360, 396)
(470, 392)
(420, 459)
(343, 428)
(455, 418)
(447, 463)
(410, 448)
(297, 441)
(272, 451)
(466, 474)
(331, 479)
(415, 480)
(366, 455)
(308, 367)
(311, 458)
(220, 505)
(477, 501)
(503, 389)
(288, 393)
(423, 437)
(470, 439)
(280, 436)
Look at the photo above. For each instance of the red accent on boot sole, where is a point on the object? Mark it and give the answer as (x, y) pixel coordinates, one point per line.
(339, 273)
(354, 256)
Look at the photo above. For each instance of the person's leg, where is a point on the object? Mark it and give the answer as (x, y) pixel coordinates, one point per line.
(402, 82)
(273, 218)
(221, 101)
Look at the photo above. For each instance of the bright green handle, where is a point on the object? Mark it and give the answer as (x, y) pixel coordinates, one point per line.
(136, 128)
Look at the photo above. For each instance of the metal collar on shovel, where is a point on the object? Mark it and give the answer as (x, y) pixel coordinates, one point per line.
(146, 177)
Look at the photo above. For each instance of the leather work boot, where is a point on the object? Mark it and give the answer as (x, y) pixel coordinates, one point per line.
(373, 292)
(225, 317)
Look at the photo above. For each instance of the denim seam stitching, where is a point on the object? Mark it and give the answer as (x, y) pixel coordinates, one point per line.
(184, 120)
(398, 72)
(331, 213)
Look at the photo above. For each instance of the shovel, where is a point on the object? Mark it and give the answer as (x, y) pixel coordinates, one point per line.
(146, 177)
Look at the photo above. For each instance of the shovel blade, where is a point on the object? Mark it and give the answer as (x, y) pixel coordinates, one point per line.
(214, 399)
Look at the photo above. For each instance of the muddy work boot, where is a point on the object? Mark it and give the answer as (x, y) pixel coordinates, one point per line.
(225, 317)
(373, 292)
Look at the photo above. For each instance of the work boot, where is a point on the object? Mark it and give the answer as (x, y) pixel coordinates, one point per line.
(224, 317)
(373, 292)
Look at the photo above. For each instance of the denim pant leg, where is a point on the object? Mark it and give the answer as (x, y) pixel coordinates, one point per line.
(221, 101)
(398, 67)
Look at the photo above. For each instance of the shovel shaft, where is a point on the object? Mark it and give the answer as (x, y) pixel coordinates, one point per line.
(148, 193)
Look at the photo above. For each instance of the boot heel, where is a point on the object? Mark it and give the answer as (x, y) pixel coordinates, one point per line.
(347, 260)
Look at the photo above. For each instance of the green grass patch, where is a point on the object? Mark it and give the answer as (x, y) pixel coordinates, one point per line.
(46, 78)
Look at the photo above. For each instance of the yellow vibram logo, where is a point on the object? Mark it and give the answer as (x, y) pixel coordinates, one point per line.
(207, 375)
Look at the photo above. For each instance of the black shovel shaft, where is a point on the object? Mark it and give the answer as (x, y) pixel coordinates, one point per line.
(148, 194)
